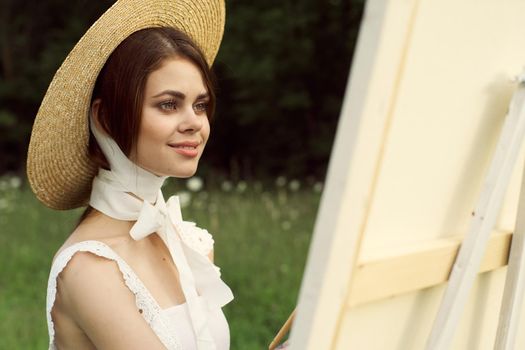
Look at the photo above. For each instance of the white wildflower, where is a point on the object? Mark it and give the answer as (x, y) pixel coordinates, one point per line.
(226, 186)
(294, 185)
(4, 203)
(15, 182)
(280, 181)
(184, 198)
(241, 186)
(318, 187)
(286, 225)
(194, 184)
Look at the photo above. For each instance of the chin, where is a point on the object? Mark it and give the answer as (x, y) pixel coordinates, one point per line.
(183, 173)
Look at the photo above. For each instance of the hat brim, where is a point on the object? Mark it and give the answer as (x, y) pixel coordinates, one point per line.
(58, 167)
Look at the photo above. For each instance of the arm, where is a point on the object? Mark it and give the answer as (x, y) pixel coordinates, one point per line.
(95, 295)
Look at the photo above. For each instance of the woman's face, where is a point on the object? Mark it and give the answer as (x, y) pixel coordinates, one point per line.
(174, 126)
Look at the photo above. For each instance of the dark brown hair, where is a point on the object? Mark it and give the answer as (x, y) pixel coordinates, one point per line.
(121, 83)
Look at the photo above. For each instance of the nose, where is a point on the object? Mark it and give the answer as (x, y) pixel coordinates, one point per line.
(191, 122)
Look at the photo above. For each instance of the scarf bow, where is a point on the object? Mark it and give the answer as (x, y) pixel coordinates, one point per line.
(166, 219)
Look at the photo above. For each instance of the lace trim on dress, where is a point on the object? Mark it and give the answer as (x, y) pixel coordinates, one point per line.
(144, 301)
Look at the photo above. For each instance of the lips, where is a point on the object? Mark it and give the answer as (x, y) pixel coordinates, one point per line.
(192, 144)
(187, 148)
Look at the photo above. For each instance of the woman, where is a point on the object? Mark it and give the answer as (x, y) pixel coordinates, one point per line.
(133, 274)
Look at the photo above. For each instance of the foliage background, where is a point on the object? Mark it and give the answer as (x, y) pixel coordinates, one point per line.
(282, 70)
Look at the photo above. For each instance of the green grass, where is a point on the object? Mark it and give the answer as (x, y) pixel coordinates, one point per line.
(261, 242)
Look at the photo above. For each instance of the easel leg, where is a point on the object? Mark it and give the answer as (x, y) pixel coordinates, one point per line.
(514, 283)
(473, 247)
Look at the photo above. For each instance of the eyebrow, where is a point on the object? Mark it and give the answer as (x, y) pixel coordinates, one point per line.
(180, 95)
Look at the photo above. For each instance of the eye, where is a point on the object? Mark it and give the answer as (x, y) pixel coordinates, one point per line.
(201, 106)
(168, 105)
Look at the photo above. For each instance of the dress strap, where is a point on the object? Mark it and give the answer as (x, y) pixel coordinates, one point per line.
(143, 298)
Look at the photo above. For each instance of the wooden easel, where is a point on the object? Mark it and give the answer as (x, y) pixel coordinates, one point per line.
(471, 252)
(514, 283)
(282, 332)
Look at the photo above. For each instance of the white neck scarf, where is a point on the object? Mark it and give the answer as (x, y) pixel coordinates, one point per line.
(111, 194)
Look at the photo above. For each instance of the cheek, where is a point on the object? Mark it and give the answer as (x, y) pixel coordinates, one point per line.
(205, 131)
(153, 133)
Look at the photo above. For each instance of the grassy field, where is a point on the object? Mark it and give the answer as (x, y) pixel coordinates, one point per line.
(261, 240)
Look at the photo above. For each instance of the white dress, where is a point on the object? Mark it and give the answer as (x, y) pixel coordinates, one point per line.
(128, 192)
(171, 325)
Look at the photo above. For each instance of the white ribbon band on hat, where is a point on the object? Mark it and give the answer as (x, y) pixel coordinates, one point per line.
(127, 192)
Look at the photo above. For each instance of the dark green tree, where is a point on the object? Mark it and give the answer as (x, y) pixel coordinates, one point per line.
(282, 70)
(35, 37)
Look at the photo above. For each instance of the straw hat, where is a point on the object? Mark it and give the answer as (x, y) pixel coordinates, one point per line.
(58, 167)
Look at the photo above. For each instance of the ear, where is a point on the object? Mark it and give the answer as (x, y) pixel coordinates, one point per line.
(96, 114)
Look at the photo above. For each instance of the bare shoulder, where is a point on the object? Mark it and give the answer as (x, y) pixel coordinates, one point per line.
(89, 279)
(94, 294)
(100, 228)
(94, 308)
